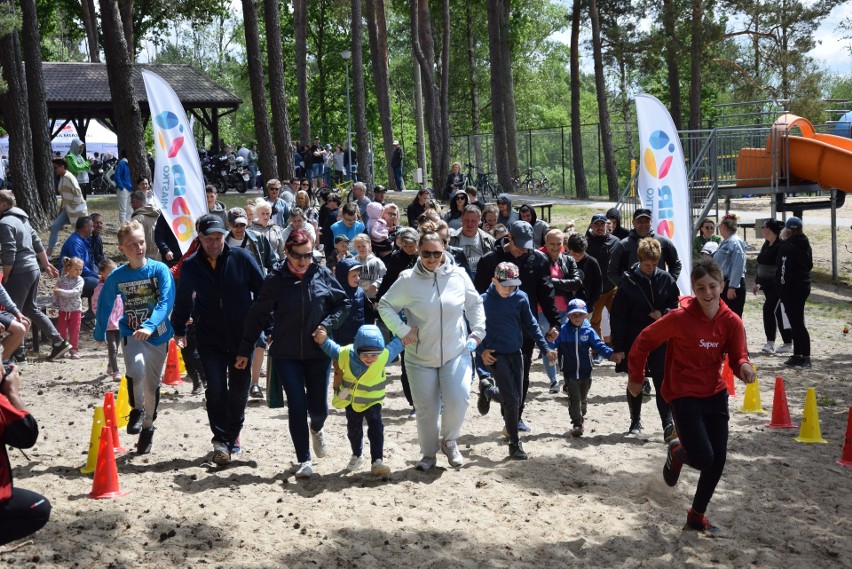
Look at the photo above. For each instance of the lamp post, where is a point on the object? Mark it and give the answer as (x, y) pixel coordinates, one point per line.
(346, 54)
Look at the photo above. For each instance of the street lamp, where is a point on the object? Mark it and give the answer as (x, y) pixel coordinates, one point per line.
(346, 54)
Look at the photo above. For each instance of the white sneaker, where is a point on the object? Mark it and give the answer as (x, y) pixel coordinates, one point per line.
(426, 463)
(768, 348)
(354, 463)
(305, 470)
(318, 442)
(379, 468)
(785, 349)
(451, 449)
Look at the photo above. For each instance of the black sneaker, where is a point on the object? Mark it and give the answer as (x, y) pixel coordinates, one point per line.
(805, 363)
(196, 386)
(134, 422)
(635, 427)
(794, 361)
(483, 404)
(673, 465)
(143, 443)
(669, 433)
(577, 431)
(59, 350)
(699, 522)
(516, 451)
(255, 392)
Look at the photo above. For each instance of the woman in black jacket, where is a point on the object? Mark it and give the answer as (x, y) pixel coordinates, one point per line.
(767, 264)
(793, 279)
(417, 206)
(303, 298)
(645, 294)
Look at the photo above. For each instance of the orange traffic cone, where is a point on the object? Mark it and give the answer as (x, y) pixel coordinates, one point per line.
(846, 458)
(780, 412)
(172, 376)
(728, 375)
(111, 421)
(105, 484)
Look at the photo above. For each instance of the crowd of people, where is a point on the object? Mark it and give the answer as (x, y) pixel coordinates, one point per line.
(335, 291)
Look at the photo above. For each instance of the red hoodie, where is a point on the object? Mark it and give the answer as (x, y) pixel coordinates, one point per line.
(695, 350)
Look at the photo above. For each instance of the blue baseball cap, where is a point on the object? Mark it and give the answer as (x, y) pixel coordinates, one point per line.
(598, 217)
(577, 306)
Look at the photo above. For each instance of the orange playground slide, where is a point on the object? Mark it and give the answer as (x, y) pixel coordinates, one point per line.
(822, 158)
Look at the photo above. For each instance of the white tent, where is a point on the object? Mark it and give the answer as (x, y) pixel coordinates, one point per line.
(98, 139)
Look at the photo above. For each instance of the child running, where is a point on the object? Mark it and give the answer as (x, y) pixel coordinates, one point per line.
(507, 314)
(67, 296)
(113, 335)
(362, 391)
(698, 334)
(147, 289)
(575, 339)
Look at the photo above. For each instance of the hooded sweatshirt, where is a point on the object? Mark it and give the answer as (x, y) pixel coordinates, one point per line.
(540, 227)
(147, 215)
(19, 242)
(795, 262)
(696, 347)
(355, 320)
(77, 163)
(620, 232)
(573, 344)
(513, 215)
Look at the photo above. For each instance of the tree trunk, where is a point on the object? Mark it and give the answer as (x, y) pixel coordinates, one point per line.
(475, 121)
(321, 25)
(277, 95)
(258, 91)
(501, 154)
(125, 8)
(90, 22)
(36, 98)
(420, 127)
(359, 103)
(603, 110)
(444, 96)
(695, 62)
(672, 53)
(576, 126)
(300, 22)
(378, 34)
(17, 123)
(508, 91)
(128, 118)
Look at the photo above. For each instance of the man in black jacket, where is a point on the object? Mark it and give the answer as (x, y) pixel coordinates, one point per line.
(624, 255)
(224, 282)
(517, 248)
(601, 244)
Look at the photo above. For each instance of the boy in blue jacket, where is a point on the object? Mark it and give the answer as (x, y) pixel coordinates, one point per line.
(573, 343)
(362, 390)
(507, 315)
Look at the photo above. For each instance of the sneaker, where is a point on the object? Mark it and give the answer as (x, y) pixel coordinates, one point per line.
(117, 376)
(793, 361)
(699, 522)
(379, 468)
(143, 443)
(426, 463)
(523, 426)
(577, 431)
(220, 457)
(73, 355)
(354, 463)
(305, 470)
(236, 448)
(255, 392)
(669, 433)
(483, 403)
(454, 456)
(554, 386)
(597, 360)
(805, 362)
(196, 387)
(635, 427)
(673, 465)
(318, 443)
(768, 348)
(59, 350)
(134, 421)
(784, 348)
(412, 414)
(646, 388)
(516, 451)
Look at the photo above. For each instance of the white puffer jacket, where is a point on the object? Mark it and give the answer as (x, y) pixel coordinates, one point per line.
(437, 303)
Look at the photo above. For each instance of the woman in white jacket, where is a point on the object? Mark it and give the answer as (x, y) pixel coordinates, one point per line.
(436, 297)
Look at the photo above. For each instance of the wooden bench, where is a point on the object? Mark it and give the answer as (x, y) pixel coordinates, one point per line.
(544, 208)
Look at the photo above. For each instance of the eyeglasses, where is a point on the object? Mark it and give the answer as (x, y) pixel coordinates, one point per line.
(300, 256)
(432, 254)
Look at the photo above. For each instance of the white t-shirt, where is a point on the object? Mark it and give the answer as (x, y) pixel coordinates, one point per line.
(472, 247)
(234, 243)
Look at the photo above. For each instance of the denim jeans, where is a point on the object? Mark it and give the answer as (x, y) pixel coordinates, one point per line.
(58, 223)
(306, 386)
(545, 326)
(375, 431)
(227, 395)
(397, 178)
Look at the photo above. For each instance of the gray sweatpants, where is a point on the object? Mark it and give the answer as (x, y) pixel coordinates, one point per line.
(23, 288)
(143, 366)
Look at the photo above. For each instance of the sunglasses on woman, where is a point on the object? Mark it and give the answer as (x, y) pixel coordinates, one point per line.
(300, 256)
(432, 254)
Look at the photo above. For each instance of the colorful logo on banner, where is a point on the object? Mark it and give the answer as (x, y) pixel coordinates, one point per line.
(170, 138)
(660, 150)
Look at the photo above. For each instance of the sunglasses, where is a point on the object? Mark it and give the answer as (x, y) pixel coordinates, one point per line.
(300, 256)
(432, 254)
(501, 202)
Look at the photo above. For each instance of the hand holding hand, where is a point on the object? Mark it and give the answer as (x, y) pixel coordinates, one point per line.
(488, 357)
(552, 334)
(552, 355)
(617, 357)
(320, 335)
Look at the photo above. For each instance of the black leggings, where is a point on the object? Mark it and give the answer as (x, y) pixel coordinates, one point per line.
(656, 370)
(738, 303)
(772, 319)
(794, 305)
(24, 513)
(702, 426)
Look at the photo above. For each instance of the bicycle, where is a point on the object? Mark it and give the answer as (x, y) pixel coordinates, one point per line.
(484, 184)
(530, 184)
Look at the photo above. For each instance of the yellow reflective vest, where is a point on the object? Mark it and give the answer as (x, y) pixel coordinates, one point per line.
(360, 392)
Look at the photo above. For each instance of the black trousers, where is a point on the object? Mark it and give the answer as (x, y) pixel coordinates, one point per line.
(772, 319)
(656, 368)
(738, 303)
(527, 351)
(24, 513)
(794, 304)
(507, 376)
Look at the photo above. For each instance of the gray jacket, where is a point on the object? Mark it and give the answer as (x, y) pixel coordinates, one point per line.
(19, 242)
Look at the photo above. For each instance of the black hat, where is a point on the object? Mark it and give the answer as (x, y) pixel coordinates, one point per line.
(208, 224)
(642, 212)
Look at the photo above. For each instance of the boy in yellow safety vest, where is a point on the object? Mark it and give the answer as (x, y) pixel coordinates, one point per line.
(362, 390)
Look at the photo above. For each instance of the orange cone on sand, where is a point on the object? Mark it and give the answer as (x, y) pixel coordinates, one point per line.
(94, 441)
(111, 421)
(728, 376)
(846, 458)
(172, 375)
(810, 431)
(780, 412)
(105, 483)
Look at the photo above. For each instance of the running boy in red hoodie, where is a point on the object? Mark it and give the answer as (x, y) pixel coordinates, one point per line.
(699, 334)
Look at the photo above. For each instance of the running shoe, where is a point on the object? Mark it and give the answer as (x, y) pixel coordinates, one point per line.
(354, 463)
(143, 443)
(454, 456)
(426, 463)
(379, 468)
(255, 392)
(318, 443)
(784, 348)
(699, 522)
(554, 386)
(635, 427)
(577, 431)
(516, 451)
(523, 426)
(305, 470)
(134, 421)
(220, 456)
(673, 466)
(669, 433)
(59, 350)
(768, 348)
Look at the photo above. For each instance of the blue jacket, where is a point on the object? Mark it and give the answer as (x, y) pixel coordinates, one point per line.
(76, 246)
(346, 333)
(223, 297)
(506, 320)
(122, 175)
(573, 345)
(299, 306)
(367, 336)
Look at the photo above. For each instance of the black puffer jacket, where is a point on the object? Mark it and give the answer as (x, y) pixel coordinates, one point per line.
(795, 262)
(767, 264)
(601, 249)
